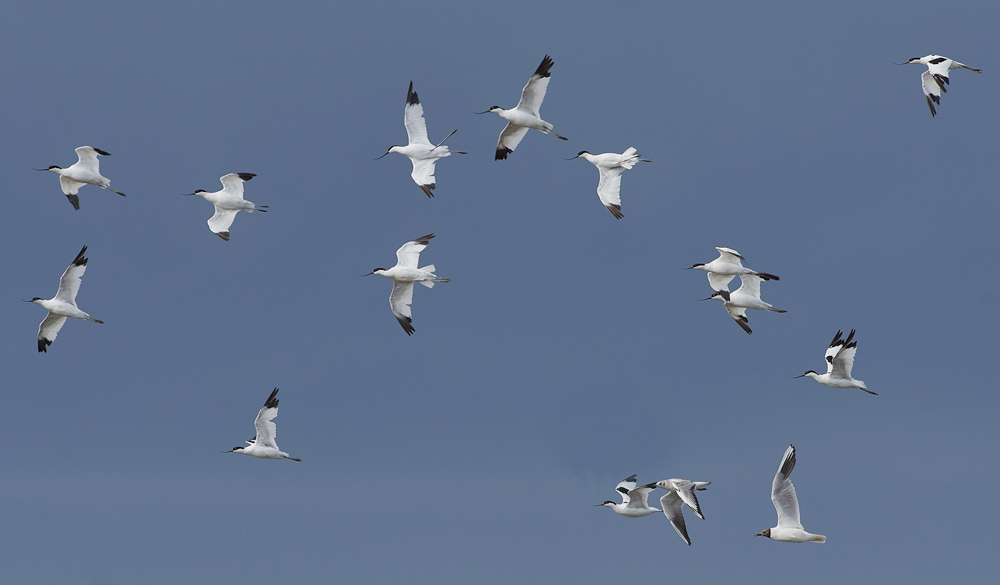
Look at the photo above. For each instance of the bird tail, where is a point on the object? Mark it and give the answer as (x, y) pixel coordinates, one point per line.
(818, 538)
(427, 283)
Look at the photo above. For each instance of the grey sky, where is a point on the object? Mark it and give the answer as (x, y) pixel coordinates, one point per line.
(570, 349)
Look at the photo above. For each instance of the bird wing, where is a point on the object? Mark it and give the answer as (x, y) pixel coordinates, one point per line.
(267, 432)
(637, 498)
(423, 175)
(685, 490)
(843, 361)
(413, 119)
(672, 506)
(832, 350)
(625, 486)
(720, 281)
(70, 188)
(399, 301)
(739, 314)
(729, 256)
(939, 69)
(69, 282)
(510, 137)
(932, 90)
(223, 218)
(609, 189)
(750, 285)
(232, 183)
(408, 254)
(783, 492)
(534, 92)
(48, 329)
(87, 156)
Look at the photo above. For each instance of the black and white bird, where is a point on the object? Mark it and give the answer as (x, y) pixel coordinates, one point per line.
(86, 171)
(611, 166)
(634, 499)
(525, 115)
(403, 275)
(680, 492)
(420, 151)
(62, 305)
(743, 298)
(263, 444)
(228, 202)
(839, 363)
(789, 528)
(935, 78)
(726, 267)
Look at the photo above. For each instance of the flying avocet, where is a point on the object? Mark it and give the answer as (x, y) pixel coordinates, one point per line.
(525, 115)
(228, 202)
(403, 275)
(86, 171)
(680, 492)
(839, 363)
(63, 304)
(936, 76)
(611, 166)
(743, 298)
(789, 528)
(634, 503)
(263, 444)
(420, 151)
(722, 270)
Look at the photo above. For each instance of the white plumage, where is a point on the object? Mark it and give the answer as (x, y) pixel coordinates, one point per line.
(786, 503)
(611, 165)
(839, 358)
(263, 443)
(743, 298)
(935, 79)
(86, 171)
(228, 202)
(63, 305)
(403, 275)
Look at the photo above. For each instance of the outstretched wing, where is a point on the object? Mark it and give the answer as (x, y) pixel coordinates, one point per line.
(729, 256)
(399, 302)
(48, 329)
(408, 254)
(783, 492)
(267, 432)
(932, 90)
(672, 506)
(423, 174)
(685, 489)
(69, 282)
(87, 156)
(720, 282)
(534, 92)
(739, 314)
(843, 362)
(232, 183)
(220, 222)
(609, 190)
(413, 119)
(510, 137)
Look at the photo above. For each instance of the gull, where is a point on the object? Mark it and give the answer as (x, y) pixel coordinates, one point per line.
(612, 165)
(420, 151)
(839, 363)
(634, 503)
(936, 76)
(725, 267)
(63, 304)
(86, 171)
(403, 275)
(228, 202)
(262, 444)
(680, 492)
(743, 298)
(789, 528)
(525, 115)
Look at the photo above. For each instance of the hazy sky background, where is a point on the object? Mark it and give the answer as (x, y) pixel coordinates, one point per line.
(570, 349)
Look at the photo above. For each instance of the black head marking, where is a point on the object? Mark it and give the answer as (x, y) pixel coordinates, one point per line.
(582, 152)
(608, 502)
(915, 59)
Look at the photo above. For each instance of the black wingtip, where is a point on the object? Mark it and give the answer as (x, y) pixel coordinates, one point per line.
(80, 260)
(246, 176)
(544, 67)
(616, 210)
(411, 96)
(428, 188)
(75, 200)
(424, 239)
(101, 152)
(43, 345)
(272, 400)
(406, 323)
(502, 153)
(223, 235)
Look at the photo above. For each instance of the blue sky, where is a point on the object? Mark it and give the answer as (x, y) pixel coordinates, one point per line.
(570, 349)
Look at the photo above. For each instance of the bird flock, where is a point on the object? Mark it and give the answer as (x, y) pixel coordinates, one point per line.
(424, 155)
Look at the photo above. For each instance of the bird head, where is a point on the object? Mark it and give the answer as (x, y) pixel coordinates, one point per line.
(390, 150)
(765, 533)
(197, 192)
(719, 295)
(492, 109)
(605, 504)
(376, 271)
(50, 167)
(814, 374)
(579, 154)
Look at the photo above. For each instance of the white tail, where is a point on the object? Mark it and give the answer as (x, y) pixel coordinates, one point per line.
(427, 283)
